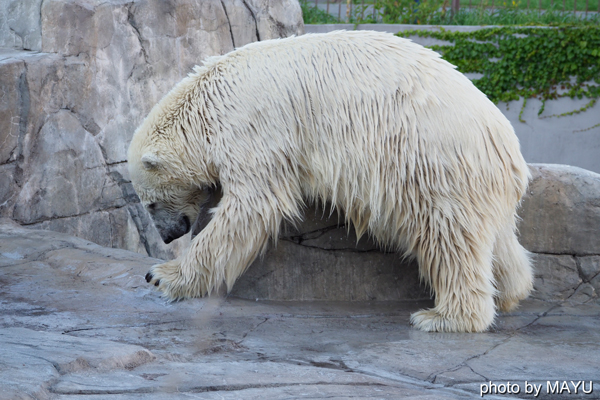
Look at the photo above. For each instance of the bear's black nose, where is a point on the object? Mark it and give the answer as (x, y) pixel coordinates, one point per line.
(169, 228)
(168, 239)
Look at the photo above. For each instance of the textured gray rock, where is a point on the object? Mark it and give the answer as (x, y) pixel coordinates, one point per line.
(68, 112)
(322, 260)
(31, 359)
(556, 277)
(67, 172)
(276, 19)
(561, 211)
(78, 321)
(590, 267)
(20, 25)
(11, 87)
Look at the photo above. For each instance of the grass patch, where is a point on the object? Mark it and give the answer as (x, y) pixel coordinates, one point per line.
(557, 5)
(517, 16)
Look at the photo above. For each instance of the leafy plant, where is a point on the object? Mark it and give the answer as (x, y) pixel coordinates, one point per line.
(411, 11)
(315, 15)
(543, 63)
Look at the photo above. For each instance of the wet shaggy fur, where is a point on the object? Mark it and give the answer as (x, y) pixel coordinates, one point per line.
(378, 126)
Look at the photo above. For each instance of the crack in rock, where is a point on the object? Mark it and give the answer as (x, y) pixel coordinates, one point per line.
(212, 388)
(251, 330)
(228, 23)
(24, 108)
(432, 378)
(131, 21)
(338, 365)
(348, 249)
(123, 326)
(254, 18)
(314, 234)
(477, 373)
(109, 209)
(116, 163)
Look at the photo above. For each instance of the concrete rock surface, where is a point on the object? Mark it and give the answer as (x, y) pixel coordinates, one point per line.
(322, 260)
(78, 321)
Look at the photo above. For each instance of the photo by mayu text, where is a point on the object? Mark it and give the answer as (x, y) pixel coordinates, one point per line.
(537, 388)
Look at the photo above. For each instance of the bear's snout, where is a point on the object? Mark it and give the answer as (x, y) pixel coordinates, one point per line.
(170, 225)
(175, 232)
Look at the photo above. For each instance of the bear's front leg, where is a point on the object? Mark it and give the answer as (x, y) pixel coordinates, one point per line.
(221, 252)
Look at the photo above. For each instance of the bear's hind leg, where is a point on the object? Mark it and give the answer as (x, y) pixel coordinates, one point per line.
(512, 270)
(459, 270)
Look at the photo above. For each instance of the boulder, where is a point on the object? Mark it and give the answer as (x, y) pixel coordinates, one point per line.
(561, 211)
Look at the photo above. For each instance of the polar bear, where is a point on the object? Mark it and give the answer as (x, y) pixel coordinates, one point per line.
(374, 124)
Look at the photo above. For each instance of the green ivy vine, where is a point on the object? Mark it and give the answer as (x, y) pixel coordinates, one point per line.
(542, 63)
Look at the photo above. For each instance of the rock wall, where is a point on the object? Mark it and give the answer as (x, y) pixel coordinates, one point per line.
(322, 260)
(78, 76)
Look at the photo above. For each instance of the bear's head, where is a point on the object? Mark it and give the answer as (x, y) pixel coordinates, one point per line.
(170, 170)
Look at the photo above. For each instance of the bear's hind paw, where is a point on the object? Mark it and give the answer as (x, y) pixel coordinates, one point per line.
(431, 321)
(509, 297)
(506, 305)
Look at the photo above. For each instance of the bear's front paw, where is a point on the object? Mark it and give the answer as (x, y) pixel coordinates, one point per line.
(170, 281)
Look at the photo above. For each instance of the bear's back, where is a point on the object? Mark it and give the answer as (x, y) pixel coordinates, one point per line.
(320, 75)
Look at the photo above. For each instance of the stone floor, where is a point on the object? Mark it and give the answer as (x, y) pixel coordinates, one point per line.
(78, 321)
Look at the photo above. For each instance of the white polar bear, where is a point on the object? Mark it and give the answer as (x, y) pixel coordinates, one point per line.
(379, 126)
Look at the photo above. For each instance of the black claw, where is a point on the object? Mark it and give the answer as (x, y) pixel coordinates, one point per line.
(148, 277)
(157, 283)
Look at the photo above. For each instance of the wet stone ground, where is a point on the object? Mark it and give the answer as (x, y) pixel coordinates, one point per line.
(78, 321)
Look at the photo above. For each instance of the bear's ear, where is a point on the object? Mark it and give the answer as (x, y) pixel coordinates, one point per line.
(151, 161)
